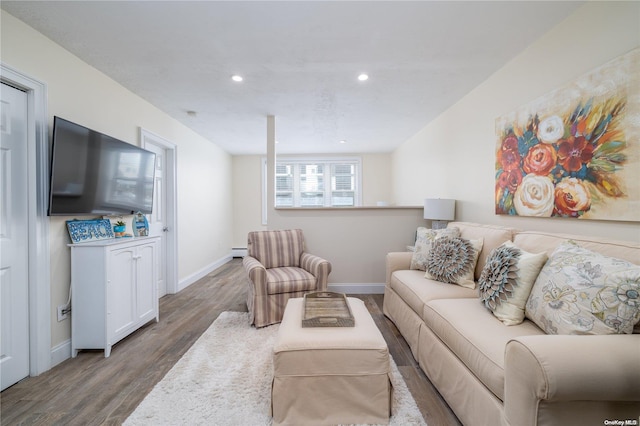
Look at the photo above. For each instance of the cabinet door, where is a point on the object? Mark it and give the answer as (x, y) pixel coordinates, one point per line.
(121, 309)
(146, 291)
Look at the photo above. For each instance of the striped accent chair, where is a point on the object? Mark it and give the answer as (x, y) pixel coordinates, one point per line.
(278, 270)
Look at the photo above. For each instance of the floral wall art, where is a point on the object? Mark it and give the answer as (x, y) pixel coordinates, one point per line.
(575, 152)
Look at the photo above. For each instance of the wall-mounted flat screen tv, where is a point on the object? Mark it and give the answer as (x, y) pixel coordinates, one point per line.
(92, 173)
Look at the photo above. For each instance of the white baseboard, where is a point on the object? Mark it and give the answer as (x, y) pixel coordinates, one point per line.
(60, 352)
(364, 288)
(187, 281)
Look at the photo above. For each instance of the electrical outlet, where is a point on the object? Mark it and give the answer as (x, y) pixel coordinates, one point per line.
(63, 312)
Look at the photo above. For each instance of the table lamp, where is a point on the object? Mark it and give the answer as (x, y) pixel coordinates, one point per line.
(439, 211)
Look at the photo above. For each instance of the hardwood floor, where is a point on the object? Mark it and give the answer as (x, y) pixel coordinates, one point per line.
(93, 390)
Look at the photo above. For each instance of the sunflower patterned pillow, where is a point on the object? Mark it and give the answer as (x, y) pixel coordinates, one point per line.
(583, 292)
(453, 260)
(506, 281)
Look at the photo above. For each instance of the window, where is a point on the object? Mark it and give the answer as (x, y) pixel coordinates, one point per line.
(333, 182)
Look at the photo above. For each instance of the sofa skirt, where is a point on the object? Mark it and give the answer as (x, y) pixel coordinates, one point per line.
(331, 400)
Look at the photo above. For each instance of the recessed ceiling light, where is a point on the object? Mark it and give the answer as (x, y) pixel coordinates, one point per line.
(343, 141)
(363, 77)
(237, 78)
(192, 113)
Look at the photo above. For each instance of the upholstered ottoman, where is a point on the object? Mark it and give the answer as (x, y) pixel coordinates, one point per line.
(330, 375)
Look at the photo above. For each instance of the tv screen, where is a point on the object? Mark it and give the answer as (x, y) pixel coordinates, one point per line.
(92, 173)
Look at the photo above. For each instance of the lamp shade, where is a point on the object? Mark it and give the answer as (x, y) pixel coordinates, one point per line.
(439, 209)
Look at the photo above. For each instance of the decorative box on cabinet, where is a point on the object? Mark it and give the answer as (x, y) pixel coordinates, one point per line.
(113, 290)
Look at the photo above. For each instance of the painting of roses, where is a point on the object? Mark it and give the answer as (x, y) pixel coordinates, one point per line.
(575, 152)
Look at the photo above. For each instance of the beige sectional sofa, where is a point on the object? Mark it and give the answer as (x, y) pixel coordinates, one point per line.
(492, 374)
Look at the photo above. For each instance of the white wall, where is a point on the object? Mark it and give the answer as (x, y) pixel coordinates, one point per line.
(454, 155)
(80, 93)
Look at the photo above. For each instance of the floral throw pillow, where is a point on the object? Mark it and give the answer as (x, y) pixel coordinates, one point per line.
(453, 260)
(506, 281)
(583, 292)
(426, 237)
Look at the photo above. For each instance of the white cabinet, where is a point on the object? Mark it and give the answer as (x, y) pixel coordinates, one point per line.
(113, 290)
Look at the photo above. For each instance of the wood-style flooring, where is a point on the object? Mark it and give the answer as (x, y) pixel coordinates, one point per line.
(93, 390)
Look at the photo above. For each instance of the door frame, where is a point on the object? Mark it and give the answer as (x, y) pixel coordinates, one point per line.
(38, 221)
(170, 180)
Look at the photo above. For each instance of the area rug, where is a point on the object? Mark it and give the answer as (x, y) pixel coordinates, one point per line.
(225, 379)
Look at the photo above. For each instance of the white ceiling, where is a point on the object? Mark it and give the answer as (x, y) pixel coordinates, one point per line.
(300, 61)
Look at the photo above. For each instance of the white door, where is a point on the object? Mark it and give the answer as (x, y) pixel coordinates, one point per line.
(163, 220)
(158, 218)
(14, 274)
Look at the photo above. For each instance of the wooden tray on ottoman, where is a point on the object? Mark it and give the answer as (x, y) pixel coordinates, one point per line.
(326, 309)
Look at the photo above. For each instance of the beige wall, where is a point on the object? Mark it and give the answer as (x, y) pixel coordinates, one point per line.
(247, 188)
(376, 179)
(453, 156)
(247, 197)
(80, 93)
(355, 241)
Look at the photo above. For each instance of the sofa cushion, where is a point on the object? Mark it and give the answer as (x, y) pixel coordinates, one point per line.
(453, 260)
(476, 337)
(424, 240)
(583, 292)
(507, 279)
(416, 290)
(491, 235)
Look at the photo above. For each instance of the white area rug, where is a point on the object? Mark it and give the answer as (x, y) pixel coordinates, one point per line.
(225, 379)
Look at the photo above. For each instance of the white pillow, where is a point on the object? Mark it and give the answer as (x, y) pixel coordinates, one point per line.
(507, 279)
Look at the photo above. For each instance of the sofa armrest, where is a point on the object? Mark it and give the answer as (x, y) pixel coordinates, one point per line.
(318, 267)
(397, 261)
(557, 369)
(257, 274)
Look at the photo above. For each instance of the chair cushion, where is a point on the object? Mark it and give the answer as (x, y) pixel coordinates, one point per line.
(276, 249)
(288, 280)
